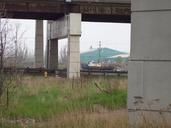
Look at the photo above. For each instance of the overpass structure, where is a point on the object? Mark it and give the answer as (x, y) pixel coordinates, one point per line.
(149, 67)
(64, 21)
(91, 10)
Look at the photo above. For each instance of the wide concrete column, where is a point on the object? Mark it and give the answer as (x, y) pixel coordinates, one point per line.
(74, 25)
(149, 77)
(39, 44)
(53, 54)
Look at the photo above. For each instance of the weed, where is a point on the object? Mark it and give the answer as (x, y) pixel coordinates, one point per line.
(40, 100)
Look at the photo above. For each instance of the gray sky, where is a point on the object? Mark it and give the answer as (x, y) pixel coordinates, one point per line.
(111, 35)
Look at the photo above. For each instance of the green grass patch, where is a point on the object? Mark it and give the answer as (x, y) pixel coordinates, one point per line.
(115, 100)
(46, 98)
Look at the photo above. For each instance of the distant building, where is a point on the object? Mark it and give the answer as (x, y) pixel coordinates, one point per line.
(103, 55)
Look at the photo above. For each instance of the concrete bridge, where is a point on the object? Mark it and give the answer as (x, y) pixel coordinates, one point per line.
(64, 18)
(91, 10)
(149, 67)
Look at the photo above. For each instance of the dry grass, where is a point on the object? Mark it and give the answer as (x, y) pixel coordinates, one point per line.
(60, 103)
(82, 119)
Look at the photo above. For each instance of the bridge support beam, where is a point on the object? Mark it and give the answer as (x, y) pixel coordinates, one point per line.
(149, 68)
(74, 34)
(69, 27)
(53, 54)
(39, 44)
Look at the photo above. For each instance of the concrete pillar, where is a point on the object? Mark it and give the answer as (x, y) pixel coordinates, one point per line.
(39, 44)
(73, 69)
(47, 54)
(149, 77)
(69, 27)
(53, 54)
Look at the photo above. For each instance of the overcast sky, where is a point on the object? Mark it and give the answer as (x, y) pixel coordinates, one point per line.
(111, 35)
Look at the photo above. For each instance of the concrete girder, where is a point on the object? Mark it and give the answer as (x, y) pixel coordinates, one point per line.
(48, 10)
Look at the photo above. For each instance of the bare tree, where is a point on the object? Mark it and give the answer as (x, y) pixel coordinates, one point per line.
(2, 42)
(63, 57)
(2, 26)
(13, 52)
(1, 52)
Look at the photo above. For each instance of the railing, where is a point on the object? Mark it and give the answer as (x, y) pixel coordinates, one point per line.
(63, 72)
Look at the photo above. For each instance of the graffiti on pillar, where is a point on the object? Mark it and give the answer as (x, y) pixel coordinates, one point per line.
(106, 10)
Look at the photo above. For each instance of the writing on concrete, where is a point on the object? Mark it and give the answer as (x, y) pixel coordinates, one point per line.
(105, 10)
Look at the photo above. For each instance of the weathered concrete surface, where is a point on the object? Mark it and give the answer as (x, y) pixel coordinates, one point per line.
(53, 54)
(104, 1)
(58, 29)
(67, 27)
(73, 69)
(145, 5)
(96, 1)
(98, 11)
(151, 81)
(149, 68)
(152, 41)
(39, 44)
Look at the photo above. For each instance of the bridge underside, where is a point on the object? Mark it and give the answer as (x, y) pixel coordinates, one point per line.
(91, 11)
(64, 21)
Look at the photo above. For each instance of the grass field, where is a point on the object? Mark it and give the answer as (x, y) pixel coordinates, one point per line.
(98, 102)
